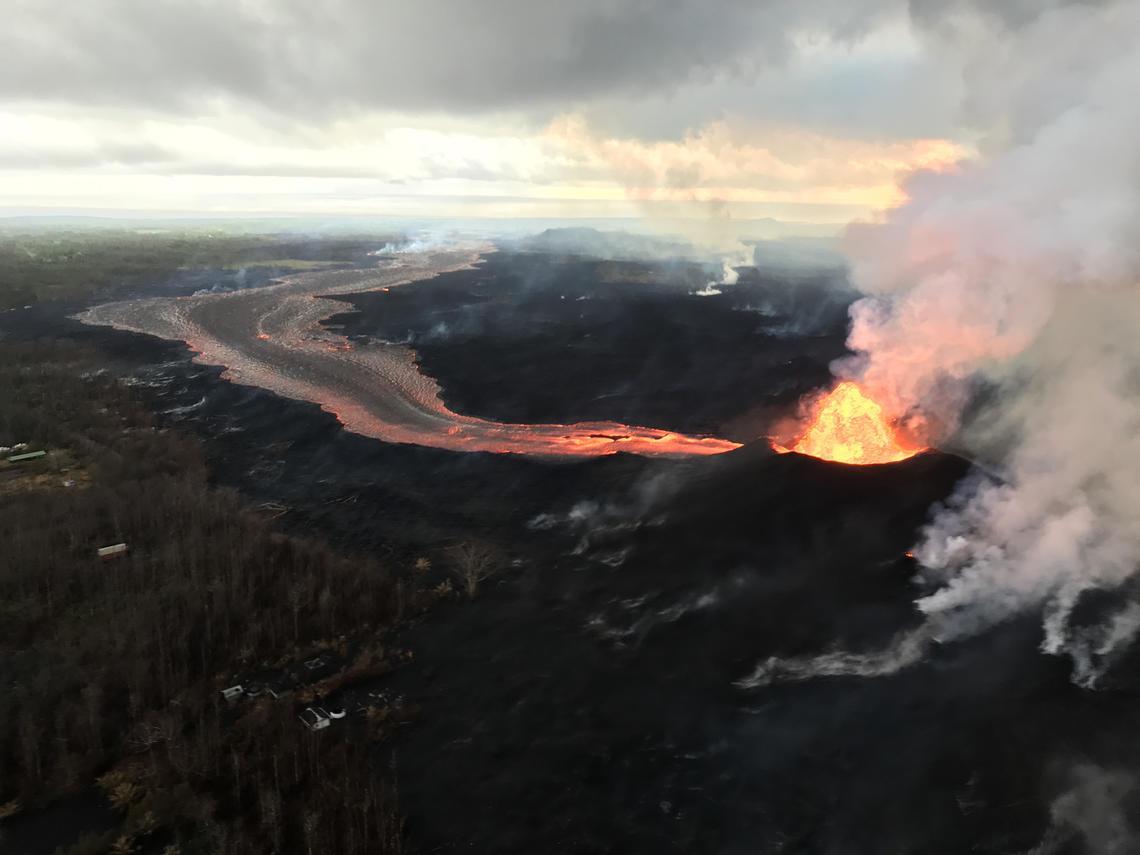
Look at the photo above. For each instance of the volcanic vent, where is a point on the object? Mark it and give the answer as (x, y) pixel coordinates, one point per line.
(848, 426)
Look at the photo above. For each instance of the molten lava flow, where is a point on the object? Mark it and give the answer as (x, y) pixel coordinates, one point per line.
(848, 427)
(271, 337)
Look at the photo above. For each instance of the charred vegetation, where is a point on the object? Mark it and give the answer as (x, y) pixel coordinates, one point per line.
(112, 668)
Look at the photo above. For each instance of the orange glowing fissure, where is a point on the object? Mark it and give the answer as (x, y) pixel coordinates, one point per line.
(848, 426)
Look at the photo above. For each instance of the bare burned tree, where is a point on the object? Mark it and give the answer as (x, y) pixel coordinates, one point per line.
(473, 562)
(118, 666)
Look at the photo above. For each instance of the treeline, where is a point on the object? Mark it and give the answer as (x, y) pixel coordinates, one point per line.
(111, 669)
(69, 264)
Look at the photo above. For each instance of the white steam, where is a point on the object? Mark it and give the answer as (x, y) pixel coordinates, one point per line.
(905, 649)
(1021, 268)
(742, 255)
(412, 246)
(1094, 814)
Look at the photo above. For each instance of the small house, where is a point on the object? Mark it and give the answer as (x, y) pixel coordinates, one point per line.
(314, 719)
(113, 551)
(27, 455)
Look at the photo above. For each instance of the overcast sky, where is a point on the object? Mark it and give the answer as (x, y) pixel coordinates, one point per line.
(802, 110)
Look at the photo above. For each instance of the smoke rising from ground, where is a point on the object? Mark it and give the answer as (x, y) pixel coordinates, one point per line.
(904, 650)
(1021, 268)
(1093, 814)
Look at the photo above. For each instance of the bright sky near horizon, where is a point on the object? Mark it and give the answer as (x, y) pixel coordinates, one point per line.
(806, 112)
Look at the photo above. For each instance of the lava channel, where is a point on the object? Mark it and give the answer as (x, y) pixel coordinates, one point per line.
(271, 338)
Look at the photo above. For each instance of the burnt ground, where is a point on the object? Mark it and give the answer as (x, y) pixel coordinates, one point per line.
(584, 702)
(567, 339)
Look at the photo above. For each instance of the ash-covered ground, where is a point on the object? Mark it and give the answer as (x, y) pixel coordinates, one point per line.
(601, 694)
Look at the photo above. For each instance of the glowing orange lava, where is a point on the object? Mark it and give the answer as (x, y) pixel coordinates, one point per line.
(849, 427)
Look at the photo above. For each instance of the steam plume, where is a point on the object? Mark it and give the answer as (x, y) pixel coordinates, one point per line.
(904, 650)
(729, 276)
(1093, 813)
(1021, 268)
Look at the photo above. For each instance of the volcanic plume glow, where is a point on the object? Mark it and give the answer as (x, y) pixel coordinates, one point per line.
(847, 426)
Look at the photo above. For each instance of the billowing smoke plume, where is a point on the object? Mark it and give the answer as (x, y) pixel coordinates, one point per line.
(1094, 815)
(1020, 269)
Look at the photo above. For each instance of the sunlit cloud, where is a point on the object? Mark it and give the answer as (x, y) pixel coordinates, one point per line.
(226, 163)
(805, 112)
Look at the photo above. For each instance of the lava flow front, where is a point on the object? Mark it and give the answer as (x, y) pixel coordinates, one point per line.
(847, 426)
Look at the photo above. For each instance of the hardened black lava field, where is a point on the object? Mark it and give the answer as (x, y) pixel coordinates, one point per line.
(594, 696)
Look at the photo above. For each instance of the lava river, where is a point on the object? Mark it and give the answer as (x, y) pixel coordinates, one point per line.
(271, 338)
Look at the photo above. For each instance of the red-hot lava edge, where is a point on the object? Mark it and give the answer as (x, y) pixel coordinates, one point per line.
(271, 338)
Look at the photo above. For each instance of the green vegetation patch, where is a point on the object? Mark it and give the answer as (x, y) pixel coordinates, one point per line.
(75, 264)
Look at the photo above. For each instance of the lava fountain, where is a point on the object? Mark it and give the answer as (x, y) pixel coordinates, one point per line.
(848, 426)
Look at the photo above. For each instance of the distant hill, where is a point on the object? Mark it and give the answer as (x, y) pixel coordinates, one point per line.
(771, 253)
(595, 243)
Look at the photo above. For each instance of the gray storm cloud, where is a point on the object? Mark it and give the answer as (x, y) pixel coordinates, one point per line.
(428, 55)
(1022, 268)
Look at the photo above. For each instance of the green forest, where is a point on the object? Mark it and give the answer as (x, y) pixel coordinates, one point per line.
(73, 264)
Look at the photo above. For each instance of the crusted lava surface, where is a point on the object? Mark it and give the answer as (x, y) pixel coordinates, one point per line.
(590, 698)
(532, 338)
